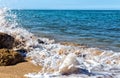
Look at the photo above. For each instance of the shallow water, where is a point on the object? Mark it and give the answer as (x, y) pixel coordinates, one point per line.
(90, 27)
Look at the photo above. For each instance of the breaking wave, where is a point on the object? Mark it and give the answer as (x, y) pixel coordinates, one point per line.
(57, 59)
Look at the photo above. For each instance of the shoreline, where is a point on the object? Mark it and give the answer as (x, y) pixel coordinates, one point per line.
(90, 45)
(19, 70)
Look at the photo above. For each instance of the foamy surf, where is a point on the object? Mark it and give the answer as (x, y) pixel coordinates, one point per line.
(61, 61)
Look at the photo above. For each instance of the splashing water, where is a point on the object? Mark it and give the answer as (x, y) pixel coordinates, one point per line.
(57, 59)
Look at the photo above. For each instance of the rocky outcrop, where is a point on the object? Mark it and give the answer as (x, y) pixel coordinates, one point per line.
(9, 57)
(9, 42)
(6, 41)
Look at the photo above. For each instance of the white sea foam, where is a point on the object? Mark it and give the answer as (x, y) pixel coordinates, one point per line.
(54, 57)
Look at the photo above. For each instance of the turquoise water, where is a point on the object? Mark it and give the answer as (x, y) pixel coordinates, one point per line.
(90, 27)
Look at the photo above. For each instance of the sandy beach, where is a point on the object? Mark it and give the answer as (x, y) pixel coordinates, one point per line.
(18, 70)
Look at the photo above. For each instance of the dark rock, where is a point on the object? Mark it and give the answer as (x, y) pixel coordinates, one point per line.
(9, 57)
(40, 41)
(6, 41)
(23, 52)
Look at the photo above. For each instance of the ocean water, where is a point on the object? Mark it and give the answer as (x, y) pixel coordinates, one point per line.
(57, 59)
(94, 28)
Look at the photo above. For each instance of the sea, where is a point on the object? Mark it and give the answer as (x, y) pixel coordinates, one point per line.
(40, 33)
(94, 28)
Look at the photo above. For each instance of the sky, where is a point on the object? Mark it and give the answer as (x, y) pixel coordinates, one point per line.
(61, 4)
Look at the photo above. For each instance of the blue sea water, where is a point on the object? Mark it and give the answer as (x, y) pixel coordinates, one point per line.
(95, 28)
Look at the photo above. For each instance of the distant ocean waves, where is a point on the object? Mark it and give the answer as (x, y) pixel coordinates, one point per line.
(93, 28)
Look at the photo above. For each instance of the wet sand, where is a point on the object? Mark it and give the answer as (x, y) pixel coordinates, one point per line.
(20, 69)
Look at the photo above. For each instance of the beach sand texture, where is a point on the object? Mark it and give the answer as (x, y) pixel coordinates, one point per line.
(18, 70)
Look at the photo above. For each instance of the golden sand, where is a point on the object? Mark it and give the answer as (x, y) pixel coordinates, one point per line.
(18, 70)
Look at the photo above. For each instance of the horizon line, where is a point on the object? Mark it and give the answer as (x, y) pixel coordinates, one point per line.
(58, 9)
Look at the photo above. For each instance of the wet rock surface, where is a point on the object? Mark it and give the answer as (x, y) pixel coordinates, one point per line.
(9, 57)
(40, 41)
(6, 41)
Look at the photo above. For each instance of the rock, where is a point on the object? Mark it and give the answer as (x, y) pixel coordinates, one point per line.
(9, 42)
(6, 41)
(40, 41)
(23, 52)
(18, 43)
(9, 57)
(68, 65)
